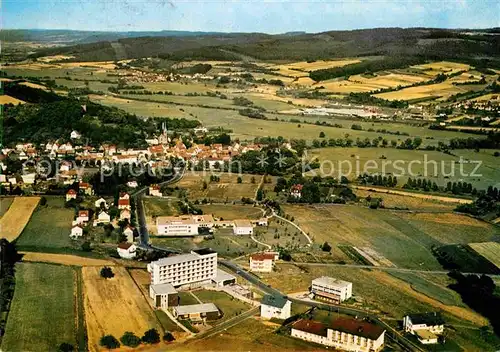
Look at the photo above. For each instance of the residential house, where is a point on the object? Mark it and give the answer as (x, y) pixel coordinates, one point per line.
(28, 179)
(100, 201)
(132, 184)
(296, 191)
(425, 326)
(129, 232)
(331, 290)
(75, 135)
(124, 204)
(275, 307)
(126, 250)
(86, 188)
(243, 227)
(347, 334)
(154, 190)
(71, 194)
(76, 232)
(125, 214)
(263, 262)
(103, 218)
(83, 216)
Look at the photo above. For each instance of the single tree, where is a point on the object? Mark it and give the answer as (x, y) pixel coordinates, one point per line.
(110, 342)
(151, 336)
(130, 339)
(107, 273)
(168, 337)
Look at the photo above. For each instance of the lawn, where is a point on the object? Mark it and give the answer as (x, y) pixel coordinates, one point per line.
(186, 299)
(42, 314)
(232, 212)
(229, 306)
(114, 306)
(404, 239)
(15, 219)
(49, 226)
(5, 203)
(281, 233)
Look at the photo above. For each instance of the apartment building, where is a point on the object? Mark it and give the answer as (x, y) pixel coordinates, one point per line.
(263, 262)
(347, 334)
(425, 326)
(195, 268)
(183, 225)
(331, 290)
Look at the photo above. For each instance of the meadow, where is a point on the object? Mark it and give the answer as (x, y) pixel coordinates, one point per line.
(49, 226)
(232, 212)
(43, 313)
(17, 216)
(402, 238)
(114, 306)
(489, 250)
(5, 203)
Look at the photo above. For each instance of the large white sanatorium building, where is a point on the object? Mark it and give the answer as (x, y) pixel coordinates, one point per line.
(199, 266)
(346, 334)
(330, 289)
(182, 225)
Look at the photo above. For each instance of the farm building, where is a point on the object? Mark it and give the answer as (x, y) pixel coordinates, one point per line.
(347, 334)
(243, 227)
(197, 312)
(275, 307)
(426, 326)
(330, 289)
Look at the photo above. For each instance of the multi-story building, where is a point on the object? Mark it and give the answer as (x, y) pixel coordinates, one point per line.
(346, 334)
(183, 225)
(330, 289)
(426, 326)
(275, 307)
(263, 262)
(195, 268)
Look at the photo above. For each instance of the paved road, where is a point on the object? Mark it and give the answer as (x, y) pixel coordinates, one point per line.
(392, 333)
(141, 216)
(389, 268)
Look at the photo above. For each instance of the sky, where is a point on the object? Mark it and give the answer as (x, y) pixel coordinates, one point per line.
(268, 16)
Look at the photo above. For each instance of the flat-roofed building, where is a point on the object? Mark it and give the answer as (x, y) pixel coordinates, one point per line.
(164, 295)
(223, 279)
(346, 334)
(331, 289)
(197, 312)
(183, 225)
(263, 262)
(197, 267)
(275, 307)
(242, 227)
(426, 326)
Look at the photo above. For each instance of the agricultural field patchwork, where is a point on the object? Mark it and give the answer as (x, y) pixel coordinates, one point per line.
(405, 202)
(5, 203)
(489, 250)
(64, 259)
(43, 313)
(17, 216)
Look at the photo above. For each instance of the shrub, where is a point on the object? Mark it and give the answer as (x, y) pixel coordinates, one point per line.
(107, 273)
(130, 339)
(151, 336)
(110, 342)
(168, 337)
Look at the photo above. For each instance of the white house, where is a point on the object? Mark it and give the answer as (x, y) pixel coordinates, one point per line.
(100, 201)
(71, 194)
(28, 179)
(76, 232)
(125, 214)
(331, 290)
(75, 135)
(127, 250)
(242, 227)
(426, 326)
(263, 262)
(275, 307)
(347, 334)
(154, 190)
(132, 184)
(83, 217)
(86, 188)
(129, 232)
(103, 218)
(183, 225)
(124, 203)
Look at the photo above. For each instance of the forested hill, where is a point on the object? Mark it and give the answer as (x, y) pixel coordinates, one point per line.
(428, 43)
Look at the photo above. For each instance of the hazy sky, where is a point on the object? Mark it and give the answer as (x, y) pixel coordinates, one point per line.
(271, 16)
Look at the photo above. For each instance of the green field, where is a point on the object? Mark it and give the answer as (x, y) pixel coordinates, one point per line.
(49, 226)
(232, 212)
(229, 306)
(429, 288)
(398, 238)
(431, 165)
(5, 203)
(42, 314)
(186, 298)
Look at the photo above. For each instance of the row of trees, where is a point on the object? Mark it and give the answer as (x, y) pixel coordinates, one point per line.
(378, 180)
(130, 339)
(378, 142)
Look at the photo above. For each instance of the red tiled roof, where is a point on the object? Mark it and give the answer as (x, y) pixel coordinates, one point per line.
(262, 256)
(83, 213)
(311, 326)
(357, 327)
(71, 191)
(84, 185)
(123, 202)
(124, 245)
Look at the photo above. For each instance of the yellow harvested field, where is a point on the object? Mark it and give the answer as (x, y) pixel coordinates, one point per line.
(415, 195)
(295, 101)
(303, 81)
(302, 68)
(64, 259)
(114, 306)
(438, 90)
(489, 250)
(448, 219)
(402, 201)
(33, 85)
(488, 97)
(435, 68)
(3, 79)
(55, 58)
(18, 215)
(6, 99)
